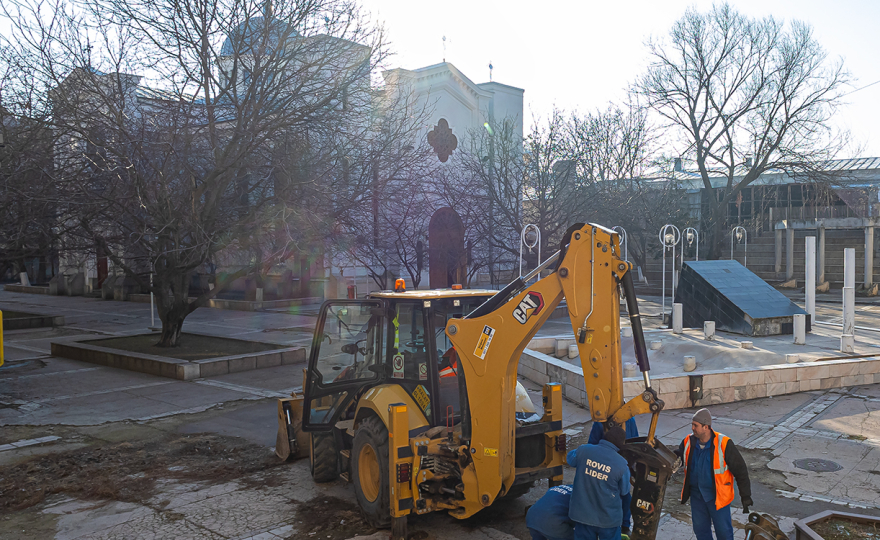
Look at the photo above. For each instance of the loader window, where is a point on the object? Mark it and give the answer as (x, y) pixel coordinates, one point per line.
(409, 355)
(349, 344)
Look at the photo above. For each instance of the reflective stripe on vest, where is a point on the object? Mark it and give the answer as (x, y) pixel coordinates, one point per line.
(449, 371)
(723, 477)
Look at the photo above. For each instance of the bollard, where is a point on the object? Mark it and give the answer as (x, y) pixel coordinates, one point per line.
(655, 345)
(690, 363)
(626, 331)
(573, 351)
(676, 319)
(810, 277)
(709, 330)
(800, 329)
(630, 369)
(746, 344)
(792, 358)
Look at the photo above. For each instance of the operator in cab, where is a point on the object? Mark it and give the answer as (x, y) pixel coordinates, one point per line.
(601, 481)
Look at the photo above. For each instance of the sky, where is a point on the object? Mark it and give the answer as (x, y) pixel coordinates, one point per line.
(579, 56)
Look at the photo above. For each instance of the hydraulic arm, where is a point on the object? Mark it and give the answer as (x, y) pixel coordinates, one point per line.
(588, 272)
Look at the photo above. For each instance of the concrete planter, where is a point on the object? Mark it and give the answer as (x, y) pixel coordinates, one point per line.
(241, 305)
(32, 321)
(176, 368)
(29, 289)
(803, 530)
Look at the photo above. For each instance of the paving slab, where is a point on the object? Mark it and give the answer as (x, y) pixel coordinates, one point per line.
(856, 417)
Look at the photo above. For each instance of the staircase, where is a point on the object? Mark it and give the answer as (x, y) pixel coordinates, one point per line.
(761, 259)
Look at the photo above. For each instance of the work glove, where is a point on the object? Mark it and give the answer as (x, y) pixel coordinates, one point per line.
(624, 533)
(746, 503)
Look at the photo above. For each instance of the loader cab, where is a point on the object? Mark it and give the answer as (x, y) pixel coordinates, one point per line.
(389, 338)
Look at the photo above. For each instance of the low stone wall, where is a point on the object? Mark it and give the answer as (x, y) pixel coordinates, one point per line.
(241, 305)
(175, 368)
(34, 321)
(30, 289)
(722, 386)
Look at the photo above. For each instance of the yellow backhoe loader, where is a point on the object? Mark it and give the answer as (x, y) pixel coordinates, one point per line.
(413, 396)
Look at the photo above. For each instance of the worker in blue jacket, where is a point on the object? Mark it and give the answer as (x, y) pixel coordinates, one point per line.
(548, 519)
(632, 431)
(601, 480)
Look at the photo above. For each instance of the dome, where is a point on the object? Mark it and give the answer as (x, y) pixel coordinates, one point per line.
(248, 33)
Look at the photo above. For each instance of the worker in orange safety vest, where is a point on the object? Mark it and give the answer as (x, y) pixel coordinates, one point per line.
(449, 363)
(711, 463)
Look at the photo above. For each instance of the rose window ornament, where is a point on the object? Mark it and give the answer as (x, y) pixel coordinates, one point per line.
(442, 140)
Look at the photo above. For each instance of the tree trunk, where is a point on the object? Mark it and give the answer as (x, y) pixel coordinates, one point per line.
(716, 234)
(172, 303)
(171, 331)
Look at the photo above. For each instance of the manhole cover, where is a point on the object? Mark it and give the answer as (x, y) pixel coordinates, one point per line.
(817, 465)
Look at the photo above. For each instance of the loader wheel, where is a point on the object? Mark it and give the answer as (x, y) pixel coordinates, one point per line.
(369, 464)
(518, 491)
(323, 457)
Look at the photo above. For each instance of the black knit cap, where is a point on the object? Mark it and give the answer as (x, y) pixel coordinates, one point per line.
(615, 436)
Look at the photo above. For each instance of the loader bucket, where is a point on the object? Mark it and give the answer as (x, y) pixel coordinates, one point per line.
(291, 442)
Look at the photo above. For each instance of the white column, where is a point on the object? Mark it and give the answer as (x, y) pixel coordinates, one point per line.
(847, 340)
(677, 327)
(810, 271)
(869, 256)
(779, 240)
(789, 254)
(849, 267)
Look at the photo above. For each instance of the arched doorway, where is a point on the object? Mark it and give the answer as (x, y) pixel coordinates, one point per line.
(447, 259)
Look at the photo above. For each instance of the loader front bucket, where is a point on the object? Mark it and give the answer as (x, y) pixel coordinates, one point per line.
(291, 442)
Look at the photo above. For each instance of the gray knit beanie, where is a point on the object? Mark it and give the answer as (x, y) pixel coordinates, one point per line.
(703, 416)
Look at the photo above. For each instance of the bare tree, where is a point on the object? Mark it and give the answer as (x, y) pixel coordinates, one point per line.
(28, 228)
(744, 96)
(614, 151)
(530, 180)
(27, 218)
(231, 157)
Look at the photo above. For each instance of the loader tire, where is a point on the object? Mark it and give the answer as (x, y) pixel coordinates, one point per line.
(369, 466)
(323, 457)
(517, 491)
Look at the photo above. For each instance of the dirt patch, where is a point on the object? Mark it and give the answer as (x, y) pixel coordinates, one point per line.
(330, 518)
(192, 346)
(128, 471)
(757, 461)
(292, 330)
(841, 529)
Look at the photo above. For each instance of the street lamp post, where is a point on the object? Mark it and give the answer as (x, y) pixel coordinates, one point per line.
(690, 235)
(669, 237)
(622, 232)
(530, 237)
(740, 234)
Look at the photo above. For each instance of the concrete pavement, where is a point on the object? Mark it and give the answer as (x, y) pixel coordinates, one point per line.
(66, 405)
